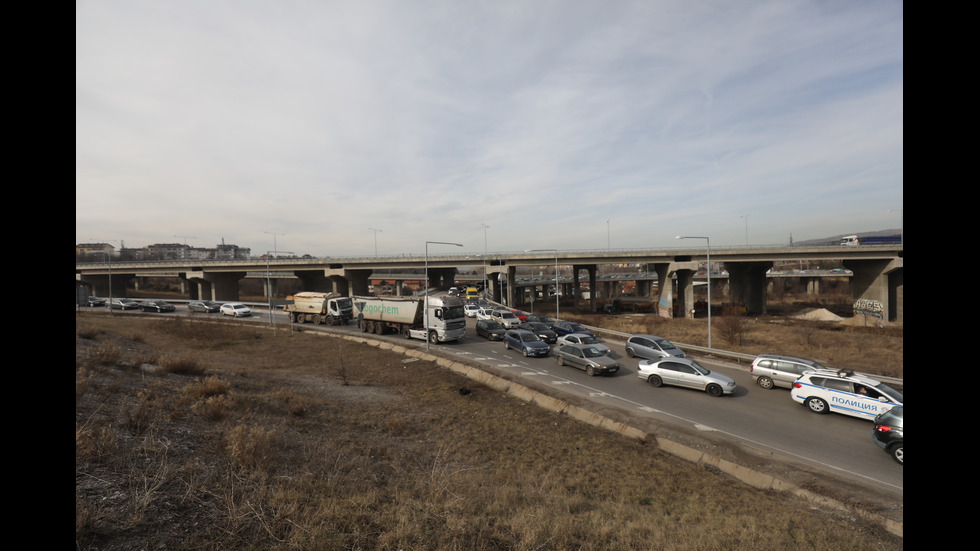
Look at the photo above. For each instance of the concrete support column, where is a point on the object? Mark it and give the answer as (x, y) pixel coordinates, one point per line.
(593, 286)
(99, 285)
(748, 284)
(511, 285)
(812, 285)
(223, 285)
(684, 293)
(355, 281)
(878, 287)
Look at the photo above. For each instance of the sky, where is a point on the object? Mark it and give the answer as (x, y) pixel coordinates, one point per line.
(370, 127)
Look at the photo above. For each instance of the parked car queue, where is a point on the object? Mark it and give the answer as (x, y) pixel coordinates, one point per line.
(236, 309)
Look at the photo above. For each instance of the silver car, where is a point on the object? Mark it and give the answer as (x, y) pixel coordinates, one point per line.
(584, 338)
(771, 370)
(686, 373)
(586, 357)
(651, 347)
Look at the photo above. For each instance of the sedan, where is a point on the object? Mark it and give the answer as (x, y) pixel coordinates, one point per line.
(541, 319)
(586, 357)
(584, 338)
(541, 330)
(521, 315)
(490, 329)
(124, 304)
(527, 342)
(236, 309)
(96, 301)
(156, 306)
(889, 434)
(686, 373)
(206, 306)
(470, 310)
(484, 313)
(651, 347)
(566, 327)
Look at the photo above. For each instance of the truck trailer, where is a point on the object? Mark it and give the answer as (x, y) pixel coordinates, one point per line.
(319, 308)
(410, 316)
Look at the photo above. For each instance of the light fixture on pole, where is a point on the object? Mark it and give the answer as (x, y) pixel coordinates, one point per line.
(425, 304)
(557, 311)
(746, 217)
(268, 284)
(707, 272)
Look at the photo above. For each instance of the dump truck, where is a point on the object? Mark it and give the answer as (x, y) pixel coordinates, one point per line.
(438, 319)
(319, 308)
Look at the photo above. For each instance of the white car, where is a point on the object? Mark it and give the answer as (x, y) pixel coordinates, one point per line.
(506, 318)
(470, 310)
(583, 338)
(484, 313)
(236, 309)
(841, 391)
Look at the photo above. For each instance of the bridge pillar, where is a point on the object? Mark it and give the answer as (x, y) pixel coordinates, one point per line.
(577, 289)
(442, 278)
(223, 286)
(881, 284)
(747, 281)
(99, 285)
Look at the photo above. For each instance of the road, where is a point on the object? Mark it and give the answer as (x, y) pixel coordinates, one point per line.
(767, 426)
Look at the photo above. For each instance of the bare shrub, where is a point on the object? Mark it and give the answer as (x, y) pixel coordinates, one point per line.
(89, 333)
(294, 404)
(139, 417)
(105, 353)
(181, 366)
(731, 325)
(212, 408)
(94, 443)
(211, 386)
(338, 363)
(251, 448)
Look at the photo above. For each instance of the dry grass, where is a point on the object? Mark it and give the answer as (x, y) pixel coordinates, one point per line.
(277, 444)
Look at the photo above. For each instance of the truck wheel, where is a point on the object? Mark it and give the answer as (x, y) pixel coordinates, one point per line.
(368, 327)
(433, 337)
(317, 320)
(407, 332)
(379, 328)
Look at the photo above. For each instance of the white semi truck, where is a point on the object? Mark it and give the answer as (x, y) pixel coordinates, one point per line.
(443, 317)
(319, 308)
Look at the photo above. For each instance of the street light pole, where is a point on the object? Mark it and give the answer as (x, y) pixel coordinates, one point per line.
(707, 272)
(485, 227)
(557, 307)
(425, 305)
(746, 217)
(375, 241)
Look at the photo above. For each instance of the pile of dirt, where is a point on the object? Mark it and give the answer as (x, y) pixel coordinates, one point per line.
(818, 314)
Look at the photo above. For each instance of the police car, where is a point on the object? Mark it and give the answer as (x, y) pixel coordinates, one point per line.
(841, 391)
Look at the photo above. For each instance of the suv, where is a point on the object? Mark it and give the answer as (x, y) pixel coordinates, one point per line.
(771, 370)
(844, 392)
(888, 433)
(506, 318)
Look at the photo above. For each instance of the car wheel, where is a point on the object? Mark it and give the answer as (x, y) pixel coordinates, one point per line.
(524, 352)
(590, 371)
(630, 353)
(897, 453)
(655, 380)
(714, 390)
(765, 382)
(816, 405)
(561, 361)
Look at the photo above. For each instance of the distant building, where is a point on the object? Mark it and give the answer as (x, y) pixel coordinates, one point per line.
(93, 252)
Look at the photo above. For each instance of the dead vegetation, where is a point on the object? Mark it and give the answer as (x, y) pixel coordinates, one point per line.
(262, 441)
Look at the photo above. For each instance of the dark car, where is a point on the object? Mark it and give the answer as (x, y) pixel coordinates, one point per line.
(541, 319)
(888, 433)
(490, 329)
(96, 301)
(206, 306)
(586, 357)
(527, 342)
(124, 304)
(569, 327)
(541, 330)
(156, 306)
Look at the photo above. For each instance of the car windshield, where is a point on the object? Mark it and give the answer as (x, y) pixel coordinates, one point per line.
(592, 352)
(492, 325)
(239, 307)
(538, 326)
(891, 392)
(507, 315)
(665, 344)
(577, 327)
(589, 340)
(529, 337)
(700, 368)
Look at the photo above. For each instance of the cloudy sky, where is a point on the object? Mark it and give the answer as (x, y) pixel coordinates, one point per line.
(337, 127)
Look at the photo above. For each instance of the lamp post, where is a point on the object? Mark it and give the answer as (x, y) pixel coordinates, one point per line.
(746, 217)
(268, 284)
(485, 227)
(375, 230)
(426, 298)
(707, 272)
(557, 312)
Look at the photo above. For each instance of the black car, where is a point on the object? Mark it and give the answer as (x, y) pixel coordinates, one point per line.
(156, 306)
(541, 330)
(206, 306)
(96, 301)
(490, 329)
(888, 432)
(569, 327)
(541, 319)
(124, 304)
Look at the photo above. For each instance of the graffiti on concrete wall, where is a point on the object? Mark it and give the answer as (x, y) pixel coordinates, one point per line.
(868, 307)
(665, 307)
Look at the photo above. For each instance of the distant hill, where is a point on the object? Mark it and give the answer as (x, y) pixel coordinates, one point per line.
(836, 239)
